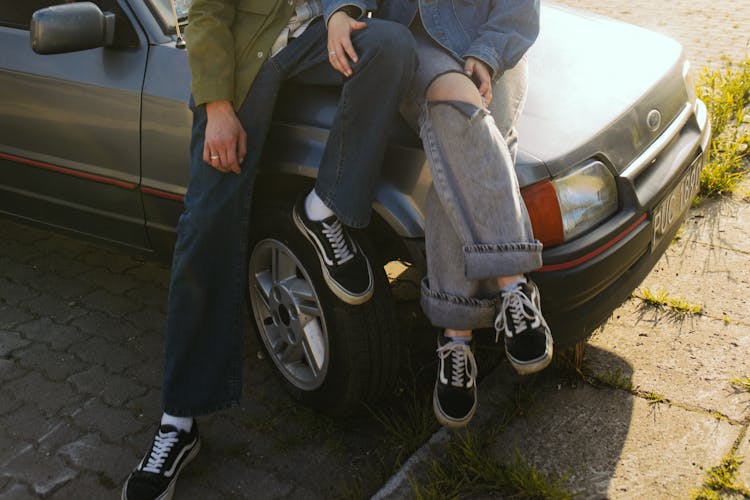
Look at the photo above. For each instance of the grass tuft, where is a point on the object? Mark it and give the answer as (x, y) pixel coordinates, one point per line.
(743, 384)
(469, 470)
(726, 92)
(662, 299)
(720, 481)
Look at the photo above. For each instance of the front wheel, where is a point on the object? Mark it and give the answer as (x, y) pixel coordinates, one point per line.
(330, 355)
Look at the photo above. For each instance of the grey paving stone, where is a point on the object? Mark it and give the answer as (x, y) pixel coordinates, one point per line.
(235, 480)
(55, 365)
(8, 401)
(114, 390)
(743, 474)
(15, 293)
(92, 454)
(60, 286)
(98, 351)
(63, 266)
(88, 486)
(148, 319)
(9, 342)
(58, 309)
(28, 425)
(18, 492)
(42, 472)
(19, 251)
(148, 372)
(11, 316)
(151, 272)
(50, 397)
(116, 283)
(111, 423)
(58, 336)
(691, 362)
(103, 325)
(114, 305)
(113, 261)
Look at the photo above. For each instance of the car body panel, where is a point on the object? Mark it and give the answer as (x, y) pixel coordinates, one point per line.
(595, 83)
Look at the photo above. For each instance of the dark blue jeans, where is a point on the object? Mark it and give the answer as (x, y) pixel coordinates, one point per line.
(203, 365)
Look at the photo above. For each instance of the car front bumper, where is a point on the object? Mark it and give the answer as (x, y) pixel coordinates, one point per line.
(582, 282)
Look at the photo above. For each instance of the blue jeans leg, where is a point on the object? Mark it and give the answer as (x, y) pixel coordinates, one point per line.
(204, 338)
(353, 156)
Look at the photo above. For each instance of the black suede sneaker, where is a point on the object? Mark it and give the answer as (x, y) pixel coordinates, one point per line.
(155, 477)
(455, 397)
(528, 340)
(345, 268)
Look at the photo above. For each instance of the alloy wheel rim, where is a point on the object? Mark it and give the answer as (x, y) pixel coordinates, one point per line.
(288, 314)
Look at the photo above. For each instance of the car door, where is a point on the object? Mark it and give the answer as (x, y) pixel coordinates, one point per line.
(70, 128)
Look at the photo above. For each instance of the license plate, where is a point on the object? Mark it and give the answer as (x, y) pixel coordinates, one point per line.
(670, 210)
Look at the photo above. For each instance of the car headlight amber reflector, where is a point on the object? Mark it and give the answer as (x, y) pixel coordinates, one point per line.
(568, 206)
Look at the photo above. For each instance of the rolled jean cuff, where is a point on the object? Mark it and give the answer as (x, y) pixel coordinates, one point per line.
(180, 411)
(485, 261)
(455, 312)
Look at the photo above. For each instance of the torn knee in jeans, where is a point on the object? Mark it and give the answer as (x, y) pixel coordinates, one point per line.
(467, 109)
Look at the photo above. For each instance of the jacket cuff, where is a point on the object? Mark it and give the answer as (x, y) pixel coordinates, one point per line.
(331, 9)
(204, 92)
(489, 57)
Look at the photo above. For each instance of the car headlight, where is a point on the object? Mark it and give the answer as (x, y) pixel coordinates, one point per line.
(566, 207)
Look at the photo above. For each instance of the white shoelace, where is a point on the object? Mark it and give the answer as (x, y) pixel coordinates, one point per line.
(335, 234)
(461, 369)
(519, 304)
(163, 444)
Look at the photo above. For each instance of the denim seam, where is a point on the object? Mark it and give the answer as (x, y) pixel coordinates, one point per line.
(457, 299)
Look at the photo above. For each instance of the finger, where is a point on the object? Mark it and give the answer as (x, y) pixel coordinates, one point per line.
(358, 25)
(349, 49)
(206, 153)
(334, 60)
(242, 147)
(343, 61)
(469, 68)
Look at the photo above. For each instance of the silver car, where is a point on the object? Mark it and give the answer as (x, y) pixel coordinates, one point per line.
(94, 140)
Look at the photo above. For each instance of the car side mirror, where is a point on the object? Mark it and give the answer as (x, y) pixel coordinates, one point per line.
(70, 28)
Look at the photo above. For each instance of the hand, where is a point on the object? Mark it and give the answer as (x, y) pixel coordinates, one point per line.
(481, 72)
(340, 27)
(226, 141)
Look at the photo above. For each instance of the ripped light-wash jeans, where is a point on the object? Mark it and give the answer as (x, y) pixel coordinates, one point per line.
(476, 223)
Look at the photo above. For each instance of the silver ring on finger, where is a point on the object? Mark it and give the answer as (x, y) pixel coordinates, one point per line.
(214, 157)
(332, 53)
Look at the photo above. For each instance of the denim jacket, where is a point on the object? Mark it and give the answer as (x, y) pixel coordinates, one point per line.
(497, 32)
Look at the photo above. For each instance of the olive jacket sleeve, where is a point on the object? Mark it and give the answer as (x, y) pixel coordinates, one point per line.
(227, 43)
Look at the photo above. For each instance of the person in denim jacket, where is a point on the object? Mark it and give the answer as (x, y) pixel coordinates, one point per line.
(465, 100)
(240, 51)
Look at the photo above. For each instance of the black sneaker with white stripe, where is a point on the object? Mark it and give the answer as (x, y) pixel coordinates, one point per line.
(528, 340)
(156, 475)
(454, 399)
(345, 268)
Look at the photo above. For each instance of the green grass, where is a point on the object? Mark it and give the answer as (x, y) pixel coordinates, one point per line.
(469, 470)
(654, 398)
(662, 300)
(615, 379)
(720, 481)
(743, 384)
(726, 92)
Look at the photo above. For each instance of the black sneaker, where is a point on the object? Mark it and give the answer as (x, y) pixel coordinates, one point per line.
(528, 340)
(455, 397)
(156, 475)
(345, 268)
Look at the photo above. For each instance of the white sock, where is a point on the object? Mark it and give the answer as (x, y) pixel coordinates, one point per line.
(463, 340)
(513, 285)
(315, 208)
(181, 423)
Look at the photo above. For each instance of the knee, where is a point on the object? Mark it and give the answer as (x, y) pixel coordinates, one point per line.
(454, 87)
(392, 43)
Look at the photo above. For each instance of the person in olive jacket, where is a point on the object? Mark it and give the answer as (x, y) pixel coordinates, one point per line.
(240, 51)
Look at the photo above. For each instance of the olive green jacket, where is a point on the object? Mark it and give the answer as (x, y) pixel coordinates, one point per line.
(228, 41)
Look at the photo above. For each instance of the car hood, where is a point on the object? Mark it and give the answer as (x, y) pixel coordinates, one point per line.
(592, 83)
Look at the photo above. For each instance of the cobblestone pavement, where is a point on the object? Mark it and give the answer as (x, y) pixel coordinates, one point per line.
(81, 355)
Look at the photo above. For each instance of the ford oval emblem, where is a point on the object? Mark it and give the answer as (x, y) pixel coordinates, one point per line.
(653, 120)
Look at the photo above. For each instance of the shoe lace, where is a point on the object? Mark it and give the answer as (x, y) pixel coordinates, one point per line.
(522, 311)
(163, 443)
(463, 367)
(335, 234)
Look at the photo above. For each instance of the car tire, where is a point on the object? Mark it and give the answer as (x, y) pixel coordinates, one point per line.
(332, 356)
